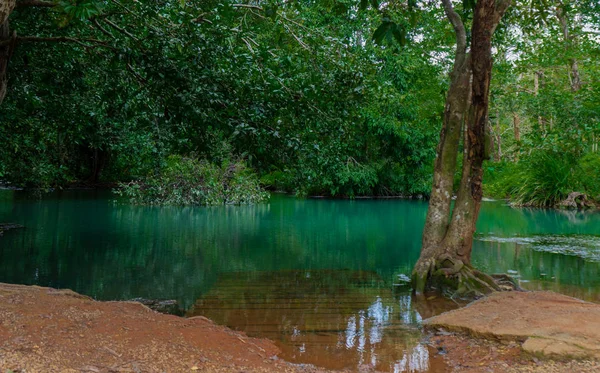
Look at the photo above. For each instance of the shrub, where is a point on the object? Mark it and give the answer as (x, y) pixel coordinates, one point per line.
(589, 174)
(545, 178)
(189, 181)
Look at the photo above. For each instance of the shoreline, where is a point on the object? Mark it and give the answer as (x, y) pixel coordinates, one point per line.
(48, 330)
(594, 207)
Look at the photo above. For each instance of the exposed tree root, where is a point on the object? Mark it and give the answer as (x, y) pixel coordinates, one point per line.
(454, 278)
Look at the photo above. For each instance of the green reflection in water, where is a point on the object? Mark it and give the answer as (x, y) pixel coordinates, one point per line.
(84, 241)
(233, 257)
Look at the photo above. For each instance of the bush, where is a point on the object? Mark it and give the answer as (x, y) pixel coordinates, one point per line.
(545, 178)
(189, 181)
(589, 175)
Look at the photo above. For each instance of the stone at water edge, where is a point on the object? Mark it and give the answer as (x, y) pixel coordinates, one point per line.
(168, 306)
(547, 323)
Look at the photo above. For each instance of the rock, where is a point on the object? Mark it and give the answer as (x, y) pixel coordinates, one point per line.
(576, 200)
(169, 306)
(545, 323)
(549, 347)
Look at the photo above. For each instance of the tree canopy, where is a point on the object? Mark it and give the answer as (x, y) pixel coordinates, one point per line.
(333, 97)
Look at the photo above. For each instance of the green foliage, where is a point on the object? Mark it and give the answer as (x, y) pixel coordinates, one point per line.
(589, 166)
(68, 10)
(335, 97)
(547, 126)
(545, 178)
(298, 89)
(189, 181)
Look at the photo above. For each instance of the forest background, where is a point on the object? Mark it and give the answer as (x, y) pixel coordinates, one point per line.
(219, 100)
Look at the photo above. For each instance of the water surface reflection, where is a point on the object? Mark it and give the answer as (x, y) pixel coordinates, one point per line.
(335, 319)
(324, 278)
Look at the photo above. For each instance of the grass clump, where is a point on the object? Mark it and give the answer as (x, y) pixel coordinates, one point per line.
(189, 181)
(545, 178)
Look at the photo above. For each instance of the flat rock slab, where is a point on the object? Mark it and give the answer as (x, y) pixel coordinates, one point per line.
(546, 323)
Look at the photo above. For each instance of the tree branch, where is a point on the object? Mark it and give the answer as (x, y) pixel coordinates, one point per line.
(58, 39)
(247, 6)
(35, 3)
(102, 29)
(120, 29)
(459, 29)
(501, 7)
(139, 78)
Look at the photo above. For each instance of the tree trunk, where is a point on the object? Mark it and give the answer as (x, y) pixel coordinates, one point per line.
(537, 76)
(446, 264)
(498, 133)
(574, 78)
(438, 214)
(517, 127)
(6, 8)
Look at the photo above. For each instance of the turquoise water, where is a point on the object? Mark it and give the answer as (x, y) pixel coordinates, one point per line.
(323, 278)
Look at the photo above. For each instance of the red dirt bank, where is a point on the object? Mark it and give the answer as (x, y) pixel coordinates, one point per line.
(48, 330)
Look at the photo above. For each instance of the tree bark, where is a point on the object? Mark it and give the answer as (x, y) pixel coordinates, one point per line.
(537, 77)
(574, 77)
(447, 263)
(6, 8)
(498, 133)
(438, 214)
(517, 127)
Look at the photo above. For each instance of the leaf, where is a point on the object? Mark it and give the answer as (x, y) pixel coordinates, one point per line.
(381, 32)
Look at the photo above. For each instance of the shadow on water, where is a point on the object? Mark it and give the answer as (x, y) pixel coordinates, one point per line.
(323, 278)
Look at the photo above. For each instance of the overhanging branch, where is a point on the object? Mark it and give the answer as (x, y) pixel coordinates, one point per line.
(102, 29)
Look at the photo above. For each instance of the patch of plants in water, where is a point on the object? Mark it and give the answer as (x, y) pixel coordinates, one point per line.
(190, 181)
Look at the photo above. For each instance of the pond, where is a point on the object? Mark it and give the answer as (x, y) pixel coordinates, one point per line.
(325, 279)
